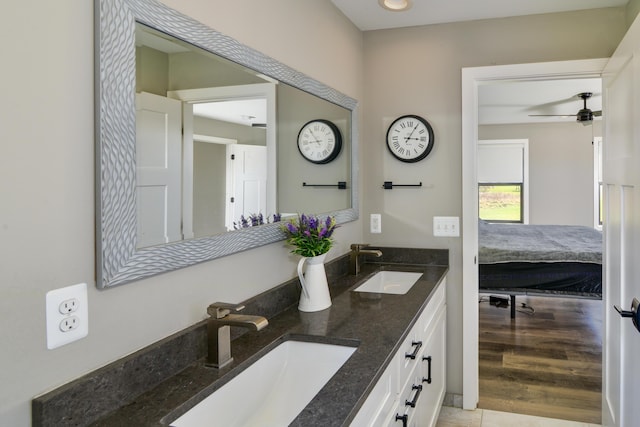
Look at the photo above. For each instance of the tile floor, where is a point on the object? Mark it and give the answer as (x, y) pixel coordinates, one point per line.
(455, 417)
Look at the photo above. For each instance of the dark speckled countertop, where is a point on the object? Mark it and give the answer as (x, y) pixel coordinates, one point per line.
(375, 323)
(157, 384)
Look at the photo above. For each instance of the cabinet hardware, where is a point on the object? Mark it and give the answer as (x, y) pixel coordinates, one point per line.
(634, 313)
(428, 379)
(413, 402)
(417, 345)
(404, 419)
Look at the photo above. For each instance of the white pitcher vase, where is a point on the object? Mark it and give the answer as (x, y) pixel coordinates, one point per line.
(315, 289)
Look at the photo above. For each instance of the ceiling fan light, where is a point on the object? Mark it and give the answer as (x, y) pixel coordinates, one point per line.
(585, 116)
(395, 5)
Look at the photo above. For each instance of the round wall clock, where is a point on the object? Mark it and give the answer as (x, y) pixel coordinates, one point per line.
(410, 138)
(319, 141)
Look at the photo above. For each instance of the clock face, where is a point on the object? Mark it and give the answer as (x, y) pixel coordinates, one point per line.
(410, 138)
(319, 141)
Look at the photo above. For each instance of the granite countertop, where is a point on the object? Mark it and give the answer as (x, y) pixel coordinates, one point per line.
(375, 323)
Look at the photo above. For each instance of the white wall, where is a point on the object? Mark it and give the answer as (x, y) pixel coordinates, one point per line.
(418, 71)
(47, 187)
(560, 169)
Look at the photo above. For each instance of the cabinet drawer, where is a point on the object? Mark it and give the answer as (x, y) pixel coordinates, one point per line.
(414, 344)
(410, 400)
(380, 403)
(433, 369)
(409, 356)
(437, 301)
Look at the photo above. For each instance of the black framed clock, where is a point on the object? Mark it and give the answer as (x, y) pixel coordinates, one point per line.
(319, 141)
(410, 138)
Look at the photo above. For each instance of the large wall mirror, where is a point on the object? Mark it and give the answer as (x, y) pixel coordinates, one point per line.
(195, 132)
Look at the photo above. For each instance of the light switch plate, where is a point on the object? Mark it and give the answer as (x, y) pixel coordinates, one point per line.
(376, 223)
(448, 226)
(67, 315)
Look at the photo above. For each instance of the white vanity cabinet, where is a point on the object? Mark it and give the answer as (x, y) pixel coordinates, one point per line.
(411, 389)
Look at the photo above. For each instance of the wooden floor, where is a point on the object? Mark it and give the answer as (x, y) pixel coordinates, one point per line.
(547, 363)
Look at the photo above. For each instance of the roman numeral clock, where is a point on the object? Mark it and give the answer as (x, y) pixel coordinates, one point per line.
(319, 141)
(410, 138)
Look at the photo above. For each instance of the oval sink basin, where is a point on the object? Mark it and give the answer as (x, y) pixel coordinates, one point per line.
(390, 282)
(273, 390)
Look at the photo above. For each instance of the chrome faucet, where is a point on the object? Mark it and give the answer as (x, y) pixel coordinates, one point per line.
(219, 331)
(357, 249)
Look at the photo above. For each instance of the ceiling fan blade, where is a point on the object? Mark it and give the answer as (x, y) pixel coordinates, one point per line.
(584, 115)
(552, 104)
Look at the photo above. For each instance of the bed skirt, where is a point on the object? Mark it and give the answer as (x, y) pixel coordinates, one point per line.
(562, 278)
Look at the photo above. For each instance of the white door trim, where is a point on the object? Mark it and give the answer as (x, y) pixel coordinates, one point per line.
(471, 79)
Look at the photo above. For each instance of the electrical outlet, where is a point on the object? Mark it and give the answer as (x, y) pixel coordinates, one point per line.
(376, 223)
(69, 306)
(69, 323)
(67, 315)
(446, 226)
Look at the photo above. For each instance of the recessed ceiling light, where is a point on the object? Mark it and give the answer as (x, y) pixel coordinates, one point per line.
(395, 5)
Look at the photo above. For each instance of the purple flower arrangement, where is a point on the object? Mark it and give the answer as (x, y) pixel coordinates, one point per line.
(254, 220)
(310, 235)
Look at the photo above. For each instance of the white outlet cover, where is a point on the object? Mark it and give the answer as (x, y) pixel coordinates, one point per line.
(56, 337)
(375, 223)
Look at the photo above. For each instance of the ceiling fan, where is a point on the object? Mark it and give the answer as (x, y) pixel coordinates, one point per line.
(584, 116)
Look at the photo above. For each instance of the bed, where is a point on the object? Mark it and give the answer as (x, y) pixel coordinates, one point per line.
(523, 259)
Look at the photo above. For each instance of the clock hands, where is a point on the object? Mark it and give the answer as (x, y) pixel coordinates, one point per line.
(408, 137)
(315, 137)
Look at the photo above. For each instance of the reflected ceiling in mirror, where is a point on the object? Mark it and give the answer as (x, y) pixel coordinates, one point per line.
(119, 259)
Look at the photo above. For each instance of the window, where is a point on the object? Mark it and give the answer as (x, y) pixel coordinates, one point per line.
(501, 202)
(503, 175)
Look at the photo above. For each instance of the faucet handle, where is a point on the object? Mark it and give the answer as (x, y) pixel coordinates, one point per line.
(358, 246)
(221, 309)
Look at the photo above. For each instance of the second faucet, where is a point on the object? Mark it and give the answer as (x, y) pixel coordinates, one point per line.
(358, 249)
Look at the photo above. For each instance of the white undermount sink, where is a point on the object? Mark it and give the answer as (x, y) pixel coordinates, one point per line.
(390, 282)
(273, 390)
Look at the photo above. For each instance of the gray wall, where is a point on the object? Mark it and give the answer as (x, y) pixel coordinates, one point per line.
(47, 210)
(428, 83)
(560, 169)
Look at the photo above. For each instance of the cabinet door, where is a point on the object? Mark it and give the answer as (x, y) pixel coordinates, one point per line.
(381, 401)
(433, 371)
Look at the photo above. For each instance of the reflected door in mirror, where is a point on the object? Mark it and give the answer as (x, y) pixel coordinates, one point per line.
(158, 168)
(248, 183)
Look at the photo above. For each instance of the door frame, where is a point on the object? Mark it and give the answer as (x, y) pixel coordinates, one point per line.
(248, 91)
(471, 79)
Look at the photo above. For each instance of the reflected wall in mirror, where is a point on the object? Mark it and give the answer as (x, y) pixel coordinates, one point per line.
(148, 55)
(295, 108)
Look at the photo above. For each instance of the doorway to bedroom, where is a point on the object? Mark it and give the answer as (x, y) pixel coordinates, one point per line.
(547, 360)
(539, 342)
